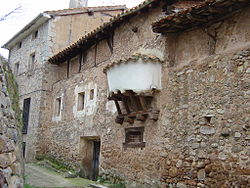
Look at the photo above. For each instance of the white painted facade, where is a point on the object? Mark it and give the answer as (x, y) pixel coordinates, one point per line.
(139, 76)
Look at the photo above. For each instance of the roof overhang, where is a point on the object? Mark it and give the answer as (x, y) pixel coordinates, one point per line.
(33, 25)
(206, 13)
(100, 33)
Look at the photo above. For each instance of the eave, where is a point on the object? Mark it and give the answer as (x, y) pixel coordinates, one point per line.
(31, 26)
(100, 33)
(208, 12)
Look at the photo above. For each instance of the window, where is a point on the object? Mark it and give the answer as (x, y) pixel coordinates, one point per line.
(32, 61)
(91, 96)
(58, 106)
(34, 35)
(16, 70)
(20, 45)
(26, 111)
(24, 149)
(134, 137)
(81, 98)
(90, 13)
(32, 57)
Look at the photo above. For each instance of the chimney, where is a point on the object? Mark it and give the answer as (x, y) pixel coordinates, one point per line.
(78, 3)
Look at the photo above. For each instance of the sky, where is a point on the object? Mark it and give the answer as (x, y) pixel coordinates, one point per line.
(31, 8)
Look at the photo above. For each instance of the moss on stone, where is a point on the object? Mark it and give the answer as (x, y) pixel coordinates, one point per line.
(12, 89)
(54, 163)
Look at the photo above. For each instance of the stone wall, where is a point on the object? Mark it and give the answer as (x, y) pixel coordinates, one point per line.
(11, 162)
(201, 138)
(205, 123)
(53, 36)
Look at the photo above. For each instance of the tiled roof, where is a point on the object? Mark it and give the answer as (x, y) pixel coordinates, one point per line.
(134, 58)
(206, 12)
(98, 34)
(45, 16)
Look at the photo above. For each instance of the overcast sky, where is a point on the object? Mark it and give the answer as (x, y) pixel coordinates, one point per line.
(31, 8)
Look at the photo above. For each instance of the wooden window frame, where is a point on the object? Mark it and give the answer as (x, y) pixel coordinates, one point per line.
(81, 101)
(130, 144)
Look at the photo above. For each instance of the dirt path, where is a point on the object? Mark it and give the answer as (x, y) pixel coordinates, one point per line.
(41, 177)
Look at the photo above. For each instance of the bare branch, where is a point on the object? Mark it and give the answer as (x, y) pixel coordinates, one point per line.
(14, 11)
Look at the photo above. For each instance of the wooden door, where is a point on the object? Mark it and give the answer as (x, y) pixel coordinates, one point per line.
(96, 155)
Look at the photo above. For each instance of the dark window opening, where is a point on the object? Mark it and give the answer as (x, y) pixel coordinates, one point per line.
(68, 67)
(58, 106)
(35, 34)
(32, 61)
(16, 70)
(134, 137)
(32, 58)
(20, 45)
(81, 98)
(26, 111)
(90, 13)
(110, 41)
(208, 119)
(24, 149)
(91, 95)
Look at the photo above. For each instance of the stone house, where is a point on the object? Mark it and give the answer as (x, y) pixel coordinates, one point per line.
(158, 96)
(30, 48)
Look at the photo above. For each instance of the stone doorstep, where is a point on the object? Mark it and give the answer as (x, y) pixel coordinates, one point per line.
(96, 186)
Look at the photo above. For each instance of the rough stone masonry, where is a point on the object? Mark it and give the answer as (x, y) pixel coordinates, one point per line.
(11, 166)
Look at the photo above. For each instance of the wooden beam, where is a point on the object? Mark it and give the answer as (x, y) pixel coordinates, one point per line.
(143, 103)
(216, 9)
(133, 102)
(124, 100)
(193, 17)
(118, 107)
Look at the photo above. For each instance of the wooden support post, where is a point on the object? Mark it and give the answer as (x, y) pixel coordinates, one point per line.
(133, 102)
(124, 100)
(143, 103)
(118, 107)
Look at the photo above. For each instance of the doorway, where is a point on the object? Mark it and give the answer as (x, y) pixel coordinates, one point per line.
(90, 151)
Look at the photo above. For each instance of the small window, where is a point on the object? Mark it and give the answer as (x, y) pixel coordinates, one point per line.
(32, 61)
(58, 106)
(134, 137)
(24, 149)
(16, 70)
(91, 96)
(81, 98)
(35, 34)
(32, 57)
(20, 45)
(90, 13)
